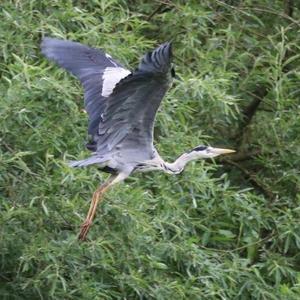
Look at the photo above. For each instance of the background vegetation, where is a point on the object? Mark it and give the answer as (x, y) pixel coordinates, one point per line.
(224, 229)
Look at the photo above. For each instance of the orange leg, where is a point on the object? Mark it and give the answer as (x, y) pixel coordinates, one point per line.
(97, 197)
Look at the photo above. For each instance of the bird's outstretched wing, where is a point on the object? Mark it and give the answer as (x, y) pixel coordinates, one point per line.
(127, 121)
(96, 70)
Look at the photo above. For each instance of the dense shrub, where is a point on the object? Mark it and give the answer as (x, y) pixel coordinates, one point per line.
(224, 229)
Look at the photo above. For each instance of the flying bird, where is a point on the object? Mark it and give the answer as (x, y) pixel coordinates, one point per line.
(121, 105)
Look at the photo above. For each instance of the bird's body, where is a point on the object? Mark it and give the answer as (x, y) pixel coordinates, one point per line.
(122, 106)
(114, 163)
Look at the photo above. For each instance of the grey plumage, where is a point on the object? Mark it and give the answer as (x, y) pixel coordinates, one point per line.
(122, 106)
(121, 125)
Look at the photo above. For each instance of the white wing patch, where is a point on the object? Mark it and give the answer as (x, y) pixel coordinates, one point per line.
(111, 76)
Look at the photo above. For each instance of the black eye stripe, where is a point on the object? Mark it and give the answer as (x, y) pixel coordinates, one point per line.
(199, 148)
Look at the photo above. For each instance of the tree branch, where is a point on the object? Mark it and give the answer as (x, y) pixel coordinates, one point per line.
(158, 9)
(263, 188)
(289, 7)
(249, 112)
(155, 11)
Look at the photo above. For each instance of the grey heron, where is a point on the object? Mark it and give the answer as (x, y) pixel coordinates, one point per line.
(121, 105)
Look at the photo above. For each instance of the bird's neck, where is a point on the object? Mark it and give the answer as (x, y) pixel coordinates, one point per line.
(178, 165)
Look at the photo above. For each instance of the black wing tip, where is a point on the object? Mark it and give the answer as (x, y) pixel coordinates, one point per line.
(162, 56)
(165, 49)
(158, 60)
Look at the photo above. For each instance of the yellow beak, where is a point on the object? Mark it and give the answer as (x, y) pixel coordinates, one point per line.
(221, 151)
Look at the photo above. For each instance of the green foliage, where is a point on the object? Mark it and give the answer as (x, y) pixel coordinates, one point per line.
(227, 229)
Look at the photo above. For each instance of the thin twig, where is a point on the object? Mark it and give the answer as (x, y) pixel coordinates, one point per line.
(243, 10)
(7, 147)
(159, 8)
(273, 12)
(67, 224)
(267, 238)
(155, 11)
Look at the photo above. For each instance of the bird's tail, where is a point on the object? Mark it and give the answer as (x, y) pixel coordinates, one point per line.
(88, 161)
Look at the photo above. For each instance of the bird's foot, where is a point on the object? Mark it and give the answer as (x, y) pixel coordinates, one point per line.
(85, 227)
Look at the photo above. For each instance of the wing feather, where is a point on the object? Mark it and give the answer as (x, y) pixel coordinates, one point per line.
(128, 118)
(89, 65)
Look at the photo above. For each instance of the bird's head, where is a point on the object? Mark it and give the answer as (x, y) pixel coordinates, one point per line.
(209, 152)
(196, 153)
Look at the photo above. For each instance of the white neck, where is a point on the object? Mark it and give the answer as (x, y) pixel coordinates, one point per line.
(178, 165)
